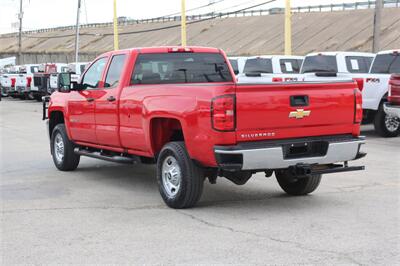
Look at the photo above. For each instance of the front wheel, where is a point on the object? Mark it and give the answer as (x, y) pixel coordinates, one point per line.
(180, 180)
(386, 125)
(62, 150)
(297, 186)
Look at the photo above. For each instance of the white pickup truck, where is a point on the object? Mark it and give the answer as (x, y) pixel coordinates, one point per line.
(271, 68)
(24, 81)
(7, 82)
(375, 92)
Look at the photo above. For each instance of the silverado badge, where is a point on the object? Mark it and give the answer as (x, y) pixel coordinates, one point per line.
(299, 114)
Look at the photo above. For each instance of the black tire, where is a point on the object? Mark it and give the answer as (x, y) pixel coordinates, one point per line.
(297, 186)
(70, 160)
(383, 128)
(30, 96)
(191, 177)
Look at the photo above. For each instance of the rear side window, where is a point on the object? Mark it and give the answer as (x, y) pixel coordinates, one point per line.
(290, 65)
(258, 65)
(115, 70)
(169, 68)
(386, 64)
(358, 64)
(320, 63)
(34, 69)
(235, 66)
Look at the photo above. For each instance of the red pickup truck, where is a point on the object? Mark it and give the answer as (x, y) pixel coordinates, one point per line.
(392, 106)
(181, 108)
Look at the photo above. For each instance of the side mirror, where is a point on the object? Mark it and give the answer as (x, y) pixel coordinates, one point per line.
(64, 82)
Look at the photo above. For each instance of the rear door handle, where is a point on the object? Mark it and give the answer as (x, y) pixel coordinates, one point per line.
(299, 100)
(111, 99)
(90, 99)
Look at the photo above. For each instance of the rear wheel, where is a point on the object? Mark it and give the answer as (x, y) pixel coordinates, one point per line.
(180, 180)
(386, 125)
(297, 186)
(62, 150)
(30, 96)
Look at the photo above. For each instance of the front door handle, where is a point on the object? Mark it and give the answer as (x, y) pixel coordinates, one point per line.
(90, 99)
(111, 99)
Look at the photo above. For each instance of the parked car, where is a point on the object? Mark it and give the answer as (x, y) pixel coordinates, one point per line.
(273, 68)
(375, 93)
(23, 83)
(41, 79)
(392, 106)
(8, 82)
(237, 64)
(182, 108)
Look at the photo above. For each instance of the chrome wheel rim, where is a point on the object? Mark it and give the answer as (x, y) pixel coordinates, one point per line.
(171, 176)
(59, 148)
(392, 123)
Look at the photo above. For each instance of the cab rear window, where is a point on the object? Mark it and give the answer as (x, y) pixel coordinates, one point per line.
(235, 66)
(169, 68)
(386, 64)
(290, 66)
(358, 64)
(258, 65)
(320, 63)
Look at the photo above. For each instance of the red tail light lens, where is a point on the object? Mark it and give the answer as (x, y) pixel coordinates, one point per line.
(277, 79)
(358, 112)
(360, 83)
(223, 113)
(28, 81)
(12, 82)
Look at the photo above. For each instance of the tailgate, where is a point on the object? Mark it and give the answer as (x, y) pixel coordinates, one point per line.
(21, 81)
(292, 110)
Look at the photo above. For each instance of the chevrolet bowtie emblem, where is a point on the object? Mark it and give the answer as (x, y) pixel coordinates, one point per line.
(299, 114)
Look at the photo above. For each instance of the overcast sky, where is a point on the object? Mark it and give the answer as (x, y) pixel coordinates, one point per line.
(52, 13)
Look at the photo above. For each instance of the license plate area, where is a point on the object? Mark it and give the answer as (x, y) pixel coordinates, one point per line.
(305, 149)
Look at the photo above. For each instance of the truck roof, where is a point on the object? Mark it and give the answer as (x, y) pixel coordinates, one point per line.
(166, 49)
(342, 53)
(389, 51)
(278, 56)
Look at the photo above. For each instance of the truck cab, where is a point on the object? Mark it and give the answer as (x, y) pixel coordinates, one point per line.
(271, 68)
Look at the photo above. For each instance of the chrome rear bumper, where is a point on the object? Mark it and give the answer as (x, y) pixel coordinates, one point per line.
(283, 154)
(392, 109)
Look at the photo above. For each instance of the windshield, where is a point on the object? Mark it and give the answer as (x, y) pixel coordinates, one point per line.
(386, 64)
(320, 63)
(258, 65)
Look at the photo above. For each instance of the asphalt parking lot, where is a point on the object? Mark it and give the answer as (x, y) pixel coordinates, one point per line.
(113, 214)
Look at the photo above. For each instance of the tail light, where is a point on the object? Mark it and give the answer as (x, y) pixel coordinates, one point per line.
(180, 50)
(28, 81)
(12, 82)
(223, 113)
(358, 112)
(277, 79)
(360, 83)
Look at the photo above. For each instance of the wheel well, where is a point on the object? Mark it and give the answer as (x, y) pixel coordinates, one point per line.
(164, 130)
(55, 118)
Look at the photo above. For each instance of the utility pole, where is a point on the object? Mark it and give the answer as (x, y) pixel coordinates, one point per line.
(377, 26)
(77, 33)
(20, 15)
(116, 46)
(288, 29)
(183, 23)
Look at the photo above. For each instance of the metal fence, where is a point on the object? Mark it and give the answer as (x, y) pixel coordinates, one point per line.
(245, 13)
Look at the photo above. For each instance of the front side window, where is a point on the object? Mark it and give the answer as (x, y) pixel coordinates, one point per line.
(258, 65)
(93, 74)
(386, 64)
(115, 70)
(358, 64)
(290, 66)
(169, 68)
(320, 63)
